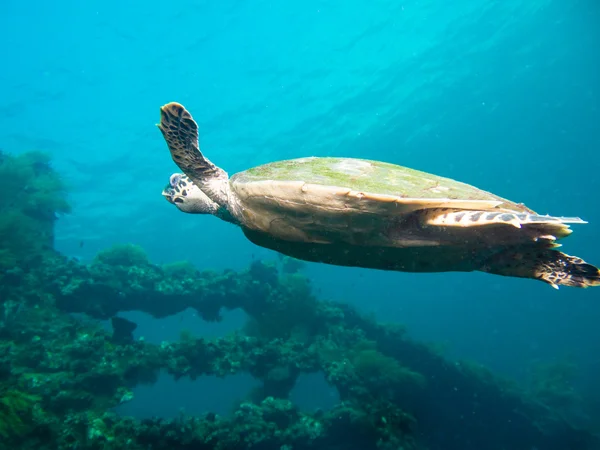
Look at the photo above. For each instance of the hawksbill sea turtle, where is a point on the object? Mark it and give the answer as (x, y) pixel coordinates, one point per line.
(371, 214)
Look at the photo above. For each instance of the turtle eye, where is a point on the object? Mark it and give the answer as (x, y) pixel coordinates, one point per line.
(175, 179)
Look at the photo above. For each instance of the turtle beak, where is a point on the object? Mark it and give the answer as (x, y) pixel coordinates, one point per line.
(167, 193)
(174, 192)
(169, 190)
(171, 195)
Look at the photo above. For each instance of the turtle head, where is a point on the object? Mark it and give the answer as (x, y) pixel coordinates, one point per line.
(188, 197)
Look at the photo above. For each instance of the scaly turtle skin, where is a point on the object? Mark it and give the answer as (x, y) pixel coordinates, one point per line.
(354, 212)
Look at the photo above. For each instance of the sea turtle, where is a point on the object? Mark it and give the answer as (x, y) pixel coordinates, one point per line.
(362, 213)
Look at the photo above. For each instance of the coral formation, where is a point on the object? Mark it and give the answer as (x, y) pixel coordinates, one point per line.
(31, 197)
(61, 373)
(17, 409)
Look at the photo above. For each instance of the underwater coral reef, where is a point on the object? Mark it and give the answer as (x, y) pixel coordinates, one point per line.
(61, 373)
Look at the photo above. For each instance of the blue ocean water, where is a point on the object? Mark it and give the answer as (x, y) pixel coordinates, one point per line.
(504, 95)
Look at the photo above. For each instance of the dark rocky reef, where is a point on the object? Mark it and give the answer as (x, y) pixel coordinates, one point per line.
(61, 373)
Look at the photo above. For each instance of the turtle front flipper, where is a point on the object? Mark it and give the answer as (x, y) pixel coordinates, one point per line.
(547, 265)
(181, 134)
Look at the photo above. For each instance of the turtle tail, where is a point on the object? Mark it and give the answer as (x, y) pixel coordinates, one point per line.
(544, 264)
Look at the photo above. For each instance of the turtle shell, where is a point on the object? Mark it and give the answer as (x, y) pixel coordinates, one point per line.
(325, 200)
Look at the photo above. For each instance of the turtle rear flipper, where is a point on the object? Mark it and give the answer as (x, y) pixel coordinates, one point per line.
(181, 134)
(547, 265)
(475, 218)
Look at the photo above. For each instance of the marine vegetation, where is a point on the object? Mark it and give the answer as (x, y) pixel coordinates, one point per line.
(553, 383)
(32, 195)
(62, 371)
(17, 409)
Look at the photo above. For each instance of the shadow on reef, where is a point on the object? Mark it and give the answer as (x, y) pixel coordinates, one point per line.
(61, 374)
